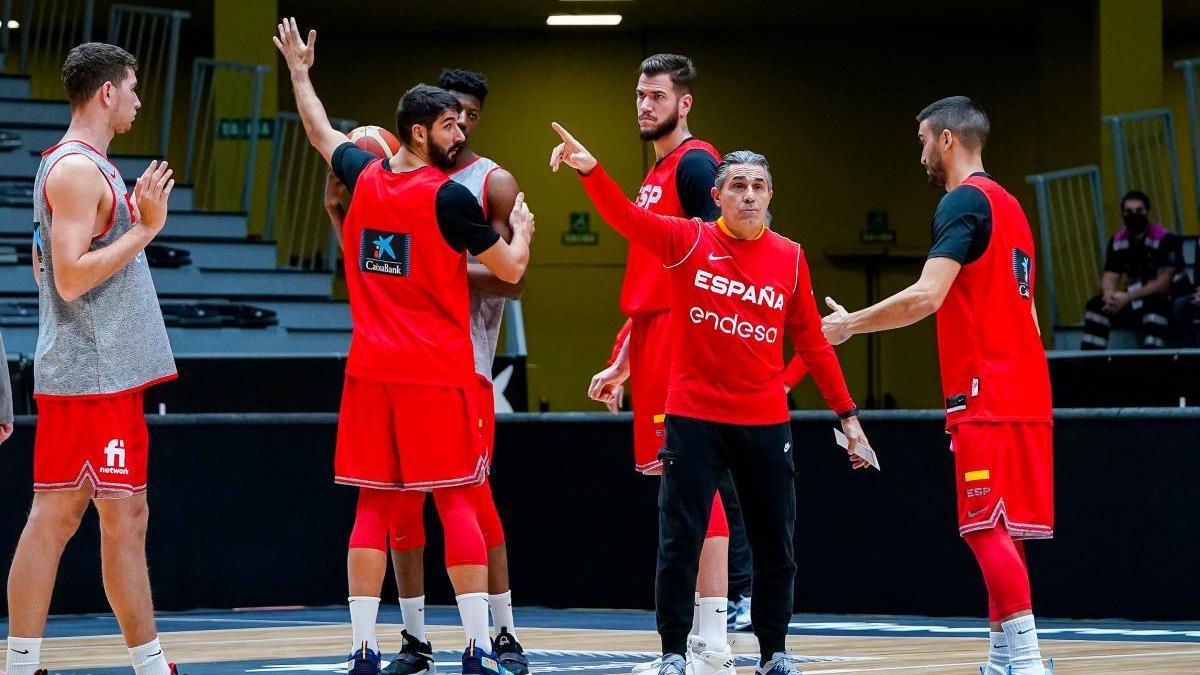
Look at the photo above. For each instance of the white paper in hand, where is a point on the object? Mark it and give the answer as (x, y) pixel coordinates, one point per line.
(862, 450)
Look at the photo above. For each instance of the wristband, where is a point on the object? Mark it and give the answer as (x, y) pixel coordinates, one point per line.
(852, 412)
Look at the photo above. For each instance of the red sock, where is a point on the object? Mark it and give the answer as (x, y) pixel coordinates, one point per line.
(406, 521)
(1001, 561)
(464, 539)
(718, 523)
(371, 519)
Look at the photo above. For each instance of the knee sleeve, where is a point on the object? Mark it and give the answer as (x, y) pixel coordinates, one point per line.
(406, 522)
(718, 523)
(1004, 571)
(371, 519)
(489, 518)
(460, 522)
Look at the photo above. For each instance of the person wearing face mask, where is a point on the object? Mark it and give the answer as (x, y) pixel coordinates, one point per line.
(1147, 255)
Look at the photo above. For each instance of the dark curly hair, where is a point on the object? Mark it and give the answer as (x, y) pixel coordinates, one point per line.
(464, 82)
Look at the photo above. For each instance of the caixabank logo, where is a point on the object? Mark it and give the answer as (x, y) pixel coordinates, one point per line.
(384, 252)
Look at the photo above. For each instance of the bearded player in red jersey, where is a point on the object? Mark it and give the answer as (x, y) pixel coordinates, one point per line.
(979, 279)
(735, 286)
(409, 418)
(679, 184)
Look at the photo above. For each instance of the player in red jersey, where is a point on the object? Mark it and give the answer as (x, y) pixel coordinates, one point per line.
(979, 280)
(735, 287)
(408, 420)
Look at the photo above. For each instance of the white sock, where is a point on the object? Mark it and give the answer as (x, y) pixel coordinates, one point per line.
(1024, 655)
(473, 608)
(413, 612)
(502, 614)
(695, 615)
(148, 659)
(998, 650)
(363, 613)
(24, 655)
(714, 620)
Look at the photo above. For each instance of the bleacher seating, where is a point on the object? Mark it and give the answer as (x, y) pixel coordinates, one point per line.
(222, 292)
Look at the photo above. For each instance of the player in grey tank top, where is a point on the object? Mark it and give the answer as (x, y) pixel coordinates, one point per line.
(101, 341)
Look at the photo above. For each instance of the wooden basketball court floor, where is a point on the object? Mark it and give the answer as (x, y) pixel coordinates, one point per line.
(315, 640)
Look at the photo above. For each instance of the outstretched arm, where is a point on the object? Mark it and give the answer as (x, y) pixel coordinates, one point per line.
(671, 239)
(902, 309)
(299, 57)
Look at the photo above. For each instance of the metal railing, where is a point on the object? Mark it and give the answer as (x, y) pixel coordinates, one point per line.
(1192, 91)
(151, 34)
(1145, 159)
(1074, 240)
(296, 217)
(45, 31)
(225, 125)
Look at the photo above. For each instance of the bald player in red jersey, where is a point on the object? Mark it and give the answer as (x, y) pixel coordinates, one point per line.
(979, 279)
(409, 418)
(735, 288)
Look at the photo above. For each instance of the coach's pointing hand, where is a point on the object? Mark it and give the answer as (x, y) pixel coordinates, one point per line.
(836, 326)
(298, 55)
(570, 152)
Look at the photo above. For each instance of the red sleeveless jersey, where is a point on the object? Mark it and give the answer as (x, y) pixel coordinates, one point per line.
(407, 286)
(992, 359)
(646, 286)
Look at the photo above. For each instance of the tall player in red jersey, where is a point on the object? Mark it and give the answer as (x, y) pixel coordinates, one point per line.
(735, 287)
(408, 419)
(979, 280)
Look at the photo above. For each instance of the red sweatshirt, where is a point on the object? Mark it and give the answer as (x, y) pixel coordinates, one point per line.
(731, 301)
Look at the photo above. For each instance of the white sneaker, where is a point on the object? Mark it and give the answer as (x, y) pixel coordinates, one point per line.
(671, 665)
(992, 669)
(706, 660)
(1048, 669)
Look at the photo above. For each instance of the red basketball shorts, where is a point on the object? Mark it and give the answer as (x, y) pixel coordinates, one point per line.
(650, 353)
(486, 406)
(97, 440)
(1005, 470)
(402, 436)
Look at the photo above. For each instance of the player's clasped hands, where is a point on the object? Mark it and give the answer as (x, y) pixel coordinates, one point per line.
(150, 195)
(570, 152)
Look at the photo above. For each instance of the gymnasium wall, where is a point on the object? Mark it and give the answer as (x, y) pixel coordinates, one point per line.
(244, 514)
(834, 112)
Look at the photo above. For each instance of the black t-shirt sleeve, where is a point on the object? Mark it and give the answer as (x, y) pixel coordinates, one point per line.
(348, 161)
(460, 217)
(1112, 260)
(694, 177)
(962, 225)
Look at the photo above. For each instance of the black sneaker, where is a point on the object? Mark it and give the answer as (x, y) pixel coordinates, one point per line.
(415, 658)
(510, 654)
(365, 661)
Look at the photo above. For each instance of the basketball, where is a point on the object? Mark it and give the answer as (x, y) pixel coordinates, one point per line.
(375, 140)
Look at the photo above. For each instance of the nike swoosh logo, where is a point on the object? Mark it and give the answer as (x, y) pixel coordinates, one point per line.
(157, 653)
(1022, 632)
(972, 514)
(715, 258)
(18, 651)
(720, 611)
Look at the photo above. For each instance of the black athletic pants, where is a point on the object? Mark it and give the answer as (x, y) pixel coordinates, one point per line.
(759, 458)
(741, 563)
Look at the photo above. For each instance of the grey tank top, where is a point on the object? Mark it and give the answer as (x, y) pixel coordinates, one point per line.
(486, 310)
(112, 338)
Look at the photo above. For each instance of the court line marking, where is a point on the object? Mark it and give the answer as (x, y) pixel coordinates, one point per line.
(1093, 657)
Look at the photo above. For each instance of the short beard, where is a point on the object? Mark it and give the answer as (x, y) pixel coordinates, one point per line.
(661, 130)
(936, 171)
(442, 159)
